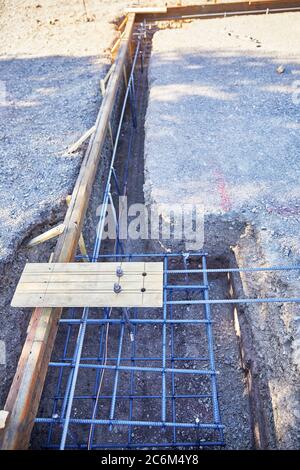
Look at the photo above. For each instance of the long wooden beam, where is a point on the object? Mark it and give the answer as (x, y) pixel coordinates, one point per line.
(219, 8)
(25, 393)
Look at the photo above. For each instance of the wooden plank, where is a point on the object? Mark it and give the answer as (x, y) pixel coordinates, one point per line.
(106, 267)
(3, 417)
(128, 299)
(107, 76)
(186, 11)
(74, 278)
(53, 232)
(74, 147)
(27, 281)
(130, 284)
(90, 285)
(25, 392)
(123, 23)
(81, 242)
(116, 44)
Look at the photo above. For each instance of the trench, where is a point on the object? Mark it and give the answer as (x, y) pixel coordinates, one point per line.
(244, 399)
(232, 381)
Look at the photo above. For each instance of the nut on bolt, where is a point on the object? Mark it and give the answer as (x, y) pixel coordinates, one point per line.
(119, 271)
(117, 288)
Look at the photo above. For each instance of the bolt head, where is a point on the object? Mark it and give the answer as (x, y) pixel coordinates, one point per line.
(119, 271)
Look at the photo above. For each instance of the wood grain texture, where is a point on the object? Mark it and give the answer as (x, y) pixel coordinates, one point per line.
(53, 232)
(90, 285)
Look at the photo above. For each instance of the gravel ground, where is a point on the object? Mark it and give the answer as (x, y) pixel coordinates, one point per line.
(52, 56)
(223, 120)
(222, 130)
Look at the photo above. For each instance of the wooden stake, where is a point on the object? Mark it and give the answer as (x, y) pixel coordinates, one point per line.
(53, 232)
(81, 242)
(80, 141)
(3, 417)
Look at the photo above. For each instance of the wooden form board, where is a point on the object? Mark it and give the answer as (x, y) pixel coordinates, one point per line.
(146, 10)
(90, 285)
(217, 8)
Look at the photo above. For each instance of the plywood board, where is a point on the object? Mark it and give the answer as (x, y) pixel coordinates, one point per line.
(90, 285)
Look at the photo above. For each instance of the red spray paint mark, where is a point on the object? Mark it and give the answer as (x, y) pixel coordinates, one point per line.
(222, 190)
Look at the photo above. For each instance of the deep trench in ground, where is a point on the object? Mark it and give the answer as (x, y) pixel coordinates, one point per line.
(189, 340)
(245, 411)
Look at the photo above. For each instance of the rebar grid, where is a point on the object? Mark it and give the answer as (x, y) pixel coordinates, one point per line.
(154, 393)
(164, 371)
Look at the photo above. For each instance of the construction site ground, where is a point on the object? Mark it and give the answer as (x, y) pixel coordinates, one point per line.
(218, 125)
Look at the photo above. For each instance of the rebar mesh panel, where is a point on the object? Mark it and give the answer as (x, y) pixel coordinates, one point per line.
(146, 378)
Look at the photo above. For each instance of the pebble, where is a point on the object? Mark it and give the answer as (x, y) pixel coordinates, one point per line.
(280, 69)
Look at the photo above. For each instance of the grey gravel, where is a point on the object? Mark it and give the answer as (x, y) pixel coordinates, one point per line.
(51, 61)
(222, 130)
(222, 125)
